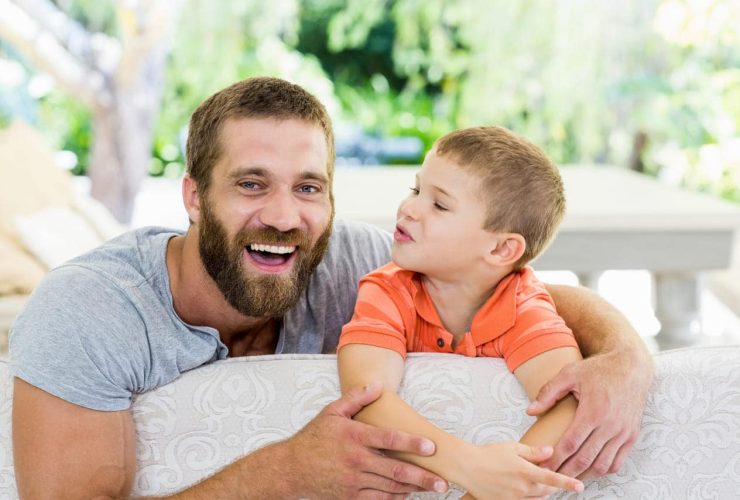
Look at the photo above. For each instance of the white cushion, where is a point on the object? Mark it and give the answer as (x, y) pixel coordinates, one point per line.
(56, 234)
(689, 446)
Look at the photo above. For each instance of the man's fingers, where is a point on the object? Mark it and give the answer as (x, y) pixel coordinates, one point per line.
(582, 460)
(553, 391)
(604, 459)
(569, 444)
(355, 400)
(405, 473)
(621, 456)
(379, 484)
(384, 439)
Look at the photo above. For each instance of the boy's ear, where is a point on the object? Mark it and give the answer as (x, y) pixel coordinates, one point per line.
(191, 198)
(509, 249)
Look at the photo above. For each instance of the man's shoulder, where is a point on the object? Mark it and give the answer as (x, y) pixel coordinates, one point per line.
(127, 260)
(350, 230)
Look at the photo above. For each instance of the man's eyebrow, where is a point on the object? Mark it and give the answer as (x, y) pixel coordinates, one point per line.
(253, 171)
(315, 176)
(267, 173)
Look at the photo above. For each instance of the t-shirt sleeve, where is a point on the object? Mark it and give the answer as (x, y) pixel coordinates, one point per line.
(376, 321)
(538, 328)
(79, 338)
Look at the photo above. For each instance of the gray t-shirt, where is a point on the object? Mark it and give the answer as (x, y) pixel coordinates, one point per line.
(102, 327)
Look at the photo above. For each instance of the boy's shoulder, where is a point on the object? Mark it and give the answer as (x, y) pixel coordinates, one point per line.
(393, 275)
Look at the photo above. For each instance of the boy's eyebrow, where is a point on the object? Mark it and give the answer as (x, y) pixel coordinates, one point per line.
(436, 188)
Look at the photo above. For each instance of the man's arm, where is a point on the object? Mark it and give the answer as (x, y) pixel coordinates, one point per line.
(611, 385)
(62, 450)
(490, 470)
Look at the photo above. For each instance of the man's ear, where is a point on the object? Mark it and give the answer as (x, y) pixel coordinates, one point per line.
(191, 198)
(508, 250)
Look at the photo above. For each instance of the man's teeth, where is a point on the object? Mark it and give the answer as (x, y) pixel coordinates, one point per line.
(271, 249)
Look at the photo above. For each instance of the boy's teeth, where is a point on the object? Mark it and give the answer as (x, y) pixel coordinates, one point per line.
(271, 248)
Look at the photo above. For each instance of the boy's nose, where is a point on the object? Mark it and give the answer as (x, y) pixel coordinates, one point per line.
(281, 212)
(407, 209)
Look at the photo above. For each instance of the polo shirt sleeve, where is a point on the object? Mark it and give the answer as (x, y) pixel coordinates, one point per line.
(538, 327)
(377, 319)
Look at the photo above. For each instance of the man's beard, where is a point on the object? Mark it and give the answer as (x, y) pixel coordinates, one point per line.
(259, 295)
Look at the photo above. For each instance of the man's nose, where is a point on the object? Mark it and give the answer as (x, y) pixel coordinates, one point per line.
(281, 211)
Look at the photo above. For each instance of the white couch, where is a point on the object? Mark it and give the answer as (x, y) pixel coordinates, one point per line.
(689, 446)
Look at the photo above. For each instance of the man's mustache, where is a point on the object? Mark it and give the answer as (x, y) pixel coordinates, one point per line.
(271, 236)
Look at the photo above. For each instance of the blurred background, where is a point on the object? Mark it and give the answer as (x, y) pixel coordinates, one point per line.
(648, 85)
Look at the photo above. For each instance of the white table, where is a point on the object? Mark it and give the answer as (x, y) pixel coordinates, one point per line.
(616, 219)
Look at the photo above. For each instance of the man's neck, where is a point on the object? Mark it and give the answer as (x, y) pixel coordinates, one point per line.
(198, 301)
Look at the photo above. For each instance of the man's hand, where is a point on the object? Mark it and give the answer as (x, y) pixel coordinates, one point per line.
(612, 390)
(336, 457)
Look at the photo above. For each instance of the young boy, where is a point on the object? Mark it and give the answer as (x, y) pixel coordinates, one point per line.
(485, 203)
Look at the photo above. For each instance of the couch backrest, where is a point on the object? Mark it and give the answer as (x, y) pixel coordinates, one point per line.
(689, 446)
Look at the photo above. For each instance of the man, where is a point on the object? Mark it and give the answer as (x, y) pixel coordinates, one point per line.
(262, 269)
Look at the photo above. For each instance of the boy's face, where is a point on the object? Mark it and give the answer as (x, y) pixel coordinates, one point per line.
(439, 226)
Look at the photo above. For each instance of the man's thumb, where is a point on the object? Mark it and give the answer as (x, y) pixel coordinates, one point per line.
(356, 399)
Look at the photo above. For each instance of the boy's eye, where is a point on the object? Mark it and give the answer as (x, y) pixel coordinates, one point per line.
(440, 207)
(414, 190)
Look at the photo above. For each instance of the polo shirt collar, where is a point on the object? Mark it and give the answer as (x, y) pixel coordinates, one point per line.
(493, 319)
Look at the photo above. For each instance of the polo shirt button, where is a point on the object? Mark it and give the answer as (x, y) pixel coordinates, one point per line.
(440, 342)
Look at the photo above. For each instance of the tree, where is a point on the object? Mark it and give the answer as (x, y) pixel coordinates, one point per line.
(119, 78)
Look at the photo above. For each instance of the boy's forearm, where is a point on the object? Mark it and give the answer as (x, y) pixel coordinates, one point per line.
(548, 428)
(360, 365)
(391, 412)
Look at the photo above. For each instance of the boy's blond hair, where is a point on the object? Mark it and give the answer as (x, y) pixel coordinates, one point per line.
(520, 185)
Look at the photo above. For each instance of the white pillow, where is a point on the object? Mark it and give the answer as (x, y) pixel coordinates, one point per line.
(56, 234)
(97, 216)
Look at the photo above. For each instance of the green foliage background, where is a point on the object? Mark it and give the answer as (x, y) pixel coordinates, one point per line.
(583, 79)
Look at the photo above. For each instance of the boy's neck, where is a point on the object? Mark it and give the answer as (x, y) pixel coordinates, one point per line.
(457, 301)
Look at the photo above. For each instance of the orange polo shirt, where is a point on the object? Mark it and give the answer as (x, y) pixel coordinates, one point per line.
(516, 323)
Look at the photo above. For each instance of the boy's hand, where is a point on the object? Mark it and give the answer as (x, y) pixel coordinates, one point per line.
(507, 470)
(611, 392)
(334, 456)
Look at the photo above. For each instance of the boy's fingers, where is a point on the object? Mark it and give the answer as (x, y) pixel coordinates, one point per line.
(555, 479)
(534, 454)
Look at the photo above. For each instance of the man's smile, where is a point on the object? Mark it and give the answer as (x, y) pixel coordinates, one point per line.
(271, 258)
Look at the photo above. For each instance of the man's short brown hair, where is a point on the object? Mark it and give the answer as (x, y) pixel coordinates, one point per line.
(260, 97)
(520, 185)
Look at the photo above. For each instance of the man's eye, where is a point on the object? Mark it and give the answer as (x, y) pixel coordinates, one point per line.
(308, 189)
(249, 185)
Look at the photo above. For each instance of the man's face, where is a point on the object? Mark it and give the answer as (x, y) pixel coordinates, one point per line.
(266, 219)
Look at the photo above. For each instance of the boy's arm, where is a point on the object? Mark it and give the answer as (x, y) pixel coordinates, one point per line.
(611, 385)
(535, 373)
(484, 470)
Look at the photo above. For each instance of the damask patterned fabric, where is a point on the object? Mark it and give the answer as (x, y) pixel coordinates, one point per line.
(689, 446)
